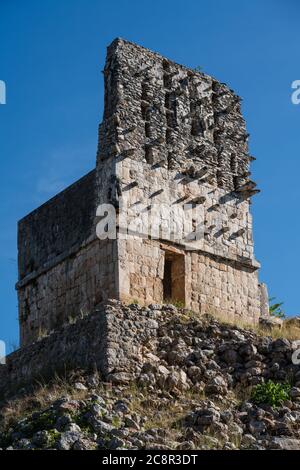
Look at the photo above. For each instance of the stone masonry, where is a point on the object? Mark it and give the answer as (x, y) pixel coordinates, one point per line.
(170, 136)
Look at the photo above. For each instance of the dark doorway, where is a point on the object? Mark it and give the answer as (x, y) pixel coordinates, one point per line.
(168, 279)
(174, 278)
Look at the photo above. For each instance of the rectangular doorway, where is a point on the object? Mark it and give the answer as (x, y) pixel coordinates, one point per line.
(174, 278)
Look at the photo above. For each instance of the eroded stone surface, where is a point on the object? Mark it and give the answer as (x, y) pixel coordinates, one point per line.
(170, 136)
(188, 385)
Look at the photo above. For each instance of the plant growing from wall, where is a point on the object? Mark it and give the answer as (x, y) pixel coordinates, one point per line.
(275, 308)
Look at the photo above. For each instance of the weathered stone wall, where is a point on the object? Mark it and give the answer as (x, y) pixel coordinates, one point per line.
(79, 345)
(223, 221)
(222, 287)
(65, 270)
(63, 223)
(159, 345)
(220, 267)
(110, 339)
(170, 136)
(177, 137)
(141, 269)
(161, 112)
(212, 284)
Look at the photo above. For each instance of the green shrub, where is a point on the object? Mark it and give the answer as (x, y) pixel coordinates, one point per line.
(271, 393)
(53, 436)
(275, 309)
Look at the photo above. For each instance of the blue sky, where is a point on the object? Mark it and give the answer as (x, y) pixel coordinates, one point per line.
(51, 56)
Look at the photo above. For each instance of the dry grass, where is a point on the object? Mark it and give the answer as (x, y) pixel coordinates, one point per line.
(163, 414)
(159, 412)
(41, 398)
(240, 394)
(168, 414)
(288, 330)
(42, 333)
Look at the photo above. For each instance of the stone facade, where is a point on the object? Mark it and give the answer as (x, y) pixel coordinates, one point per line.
(211, 284)
(69, 289)
(170, 137)
(65, 270)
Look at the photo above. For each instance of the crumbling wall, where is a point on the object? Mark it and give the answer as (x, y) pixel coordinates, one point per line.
(82, 344)
(170, 136)
(130, 342)
(163, 113)
(65, 270)
(178, 137)
(110, 340)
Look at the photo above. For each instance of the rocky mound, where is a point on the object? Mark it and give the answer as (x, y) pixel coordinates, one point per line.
(188, 386)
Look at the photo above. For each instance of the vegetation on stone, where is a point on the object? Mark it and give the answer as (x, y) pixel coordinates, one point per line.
(197, 383)
(276, 309)
(270, 393)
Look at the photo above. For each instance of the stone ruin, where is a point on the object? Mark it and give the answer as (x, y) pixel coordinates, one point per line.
(170, 136)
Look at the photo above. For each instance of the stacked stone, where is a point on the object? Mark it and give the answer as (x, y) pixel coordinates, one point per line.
(170, 136)
(156, 344)
(161, 112)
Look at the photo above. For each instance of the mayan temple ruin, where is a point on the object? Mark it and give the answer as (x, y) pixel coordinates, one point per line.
(172, 139)
(169, 136)
(173, 158)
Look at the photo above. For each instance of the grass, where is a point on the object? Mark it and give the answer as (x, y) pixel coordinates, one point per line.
(42, 333)
(241, 393)
(289, 330)
(167, 412)
(176, 303)
(116, 422)
(41, 398)
(160, 411)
